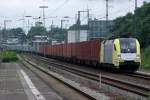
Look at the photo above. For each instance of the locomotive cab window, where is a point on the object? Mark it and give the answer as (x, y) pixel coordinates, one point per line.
(128, 45)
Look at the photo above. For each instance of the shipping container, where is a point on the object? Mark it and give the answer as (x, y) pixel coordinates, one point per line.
(68, 52)
(88, 50)
(85, 51)
(64, 50)
(61, 50)
(73, 49)
(95, 50)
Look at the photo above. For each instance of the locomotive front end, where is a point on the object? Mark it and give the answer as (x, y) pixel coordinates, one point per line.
(129, 55)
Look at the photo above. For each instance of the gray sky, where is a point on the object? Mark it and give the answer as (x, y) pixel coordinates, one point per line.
(15, 9)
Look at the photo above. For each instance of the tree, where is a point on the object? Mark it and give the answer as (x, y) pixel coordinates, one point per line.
(58, 34)
(38, 30)
(126, 24)
(19, 33)
(76, 27)
(145, 28)
(15, 33)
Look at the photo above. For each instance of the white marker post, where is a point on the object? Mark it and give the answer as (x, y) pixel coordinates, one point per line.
(100, 81)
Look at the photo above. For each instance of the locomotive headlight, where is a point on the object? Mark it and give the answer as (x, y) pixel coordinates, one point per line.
(119, 56)
(137, 56)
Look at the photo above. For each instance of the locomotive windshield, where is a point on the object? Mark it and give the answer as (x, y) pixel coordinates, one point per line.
(128, 45)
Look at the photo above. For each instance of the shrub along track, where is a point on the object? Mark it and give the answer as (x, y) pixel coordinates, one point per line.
(115, 81)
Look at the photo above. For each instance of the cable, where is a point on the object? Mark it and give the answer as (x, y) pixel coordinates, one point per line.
(112, 13)
(60, 6)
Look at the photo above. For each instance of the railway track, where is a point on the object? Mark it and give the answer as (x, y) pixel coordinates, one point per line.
(91, 96)
(137, 74)
(143, 74)
(121, 84)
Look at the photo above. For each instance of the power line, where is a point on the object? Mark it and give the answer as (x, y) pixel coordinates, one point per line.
(60, 6)
(51, 17)
(116, 12)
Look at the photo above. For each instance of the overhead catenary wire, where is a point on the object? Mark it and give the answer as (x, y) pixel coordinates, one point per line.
(59, 7)
(116, 12)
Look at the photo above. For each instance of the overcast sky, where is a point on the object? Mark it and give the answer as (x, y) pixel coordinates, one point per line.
(15, 9)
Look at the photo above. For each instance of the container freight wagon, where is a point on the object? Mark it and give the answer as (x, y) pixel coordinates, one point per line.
(84, 52)
(88, 52)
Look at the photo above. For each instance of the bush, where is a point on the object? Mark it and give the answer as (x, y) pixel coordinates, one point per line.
(148, 98)
(8, 56)
(146, 58)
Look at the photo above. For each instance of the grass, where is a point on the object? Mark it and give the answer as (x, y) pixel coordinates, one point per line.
(148, 97)
(146, 58)
(8, 56)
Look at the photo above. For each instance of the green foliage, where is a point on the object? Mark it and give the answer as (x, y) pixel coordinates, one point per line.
(38, 30)
(123, 24)
(18, 32)
(58, 34)
(15, 33)
(146, 58)
(75, 27)
(55, 33)
(8, 56)
(127, 23)
(149, 97)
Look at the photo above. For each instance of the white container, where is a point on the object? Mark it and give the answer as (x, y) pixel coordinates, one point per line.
(77, 36)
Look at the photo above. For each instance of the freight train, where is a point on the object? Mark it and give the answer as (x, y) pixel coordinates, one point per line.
(119, 53)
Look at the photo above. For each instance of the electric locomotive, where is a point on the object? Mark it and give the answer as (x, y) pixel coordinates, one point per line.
(123, 53)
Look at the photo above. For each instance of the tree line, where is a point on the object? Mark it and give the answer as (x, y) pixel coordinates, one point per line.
(138, 24)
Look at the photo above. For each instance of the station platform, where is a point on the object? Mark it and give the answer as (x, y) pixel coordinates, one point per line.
(19, 83)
